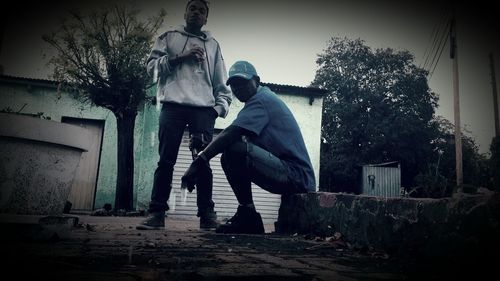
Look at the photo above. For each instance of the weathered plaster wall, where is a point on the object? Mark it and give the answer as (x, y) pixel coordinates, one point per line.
(404, 226)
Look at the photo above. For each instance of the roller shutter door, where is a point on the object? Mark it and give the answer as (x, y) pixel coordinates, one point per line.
(267, 204)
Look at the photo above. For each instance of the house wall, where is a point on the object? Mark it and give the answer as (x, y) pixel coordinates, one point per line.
(308, 117)
(44, 97)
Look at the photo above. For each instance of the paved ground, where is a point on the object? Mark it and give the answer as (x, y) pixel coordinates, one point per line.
(109, 248)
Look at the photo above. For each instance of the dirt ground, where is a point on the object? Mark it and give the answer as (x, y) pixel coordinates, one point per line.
(110, 248)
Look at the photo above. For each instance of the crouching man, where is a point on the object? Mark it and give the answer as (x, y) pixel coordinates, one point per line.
(263, 145)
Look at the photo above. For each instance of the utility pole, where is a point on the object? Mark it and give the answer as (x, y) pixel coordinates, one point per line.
(495, 97)
(3, 21)
(456, 102)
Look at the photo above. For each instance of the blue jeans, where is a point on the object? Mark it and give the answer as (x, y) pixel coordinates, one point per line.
(173, 121)
(245, 162)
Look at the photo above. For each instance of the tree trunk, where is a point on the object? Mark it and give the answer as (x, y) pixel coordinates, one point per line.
(124, 195)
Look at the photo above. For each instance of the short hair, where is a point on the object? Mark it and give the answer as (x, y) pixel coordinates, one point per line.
(205, 2)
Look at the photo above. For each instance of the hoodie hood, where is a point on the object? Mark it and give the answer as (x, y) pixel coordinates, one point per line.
(181, 29)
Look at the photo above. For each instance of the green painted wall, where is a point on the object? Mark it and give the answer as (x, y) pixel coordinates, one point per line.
(146, 156)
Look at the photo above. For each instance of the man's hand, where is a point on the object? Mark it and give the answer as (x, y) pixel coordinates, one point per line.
(191, 175)
(195, 53)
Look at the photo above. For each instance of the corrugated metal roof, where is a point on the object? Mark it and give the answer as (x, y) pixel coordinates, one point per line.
(296, 90)
(386, 164)
(36, 81)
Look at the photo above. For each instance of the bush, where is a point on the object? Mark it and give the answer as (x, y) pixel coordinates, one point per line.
(431, 185)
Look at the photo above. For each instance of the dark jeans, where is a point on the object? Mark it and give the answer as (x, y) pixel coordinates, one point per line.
(173, 121)
(244, 163)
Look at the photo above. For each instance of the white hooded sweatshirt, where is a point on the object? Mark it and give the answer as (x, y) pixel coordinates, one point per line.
(183, 84)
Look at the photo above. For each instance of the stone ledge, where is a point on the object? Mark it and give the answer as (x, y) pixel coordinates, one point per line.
(401, 226)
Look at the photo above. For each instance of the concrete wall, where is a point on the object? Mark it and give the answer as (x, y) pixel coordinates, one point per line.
(43, 97)
(38, 162)
(401, 226)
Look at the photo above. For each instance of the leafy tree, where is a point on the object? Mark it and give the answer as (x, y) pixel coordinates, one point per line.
(379, 109)
(101, 57)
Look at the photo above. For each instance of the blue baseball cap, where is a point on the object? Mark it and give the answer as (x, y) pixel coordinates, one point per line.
(241, 69)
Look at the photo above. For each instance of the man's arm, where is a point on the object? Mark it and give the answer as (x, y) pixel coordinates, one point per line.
(225, 139)
(158, 61)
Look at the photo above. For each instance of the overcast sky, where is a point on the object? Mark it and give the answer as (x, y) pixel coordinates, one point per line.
(282, 39)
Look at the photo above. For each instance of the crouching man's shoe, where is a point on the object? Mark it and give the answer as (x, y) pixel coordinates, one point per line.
(208, 219)
(246, 220)
(155, 221)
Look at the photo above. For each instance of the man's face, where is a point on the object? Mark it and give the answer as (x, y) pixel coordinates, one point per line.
(196, 14)
(242, 88)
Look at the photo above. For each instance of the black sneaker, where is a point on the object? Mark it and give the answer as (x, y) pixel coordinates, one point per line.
(208, 220)
(246, 220)
(155, 221)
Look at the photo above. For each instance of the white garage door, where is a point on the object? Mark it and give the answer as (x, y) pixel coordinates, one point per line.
(267, 204)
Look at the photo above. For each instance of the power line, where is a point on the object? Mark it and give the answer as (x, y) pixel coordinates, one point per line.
(431, 44)
(438, 40)
(440, 36)
(443, 44)
(431, 41)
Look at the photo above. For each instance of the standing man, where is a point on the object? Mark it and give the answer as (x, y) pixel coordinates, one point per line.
(190, 72)
(263, 145)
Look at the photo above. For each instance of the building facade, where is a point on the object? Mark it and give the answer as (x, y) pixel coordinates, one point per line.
(95, 181)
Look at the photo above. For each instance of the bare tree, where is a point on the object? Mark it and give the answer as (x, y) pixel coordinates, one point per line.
(101, 57)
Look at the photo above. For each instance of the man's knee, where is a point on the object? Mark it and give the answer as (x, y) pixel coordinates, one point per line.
(236, 150)
(236, 153)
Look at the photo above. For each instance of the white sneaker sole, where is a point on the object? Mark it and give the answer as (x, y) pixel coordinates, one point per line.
(147, 227)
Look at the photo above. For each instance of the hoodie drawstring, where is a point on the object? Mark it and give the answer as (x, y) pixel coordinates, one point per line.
(208, 64)
(183, 48)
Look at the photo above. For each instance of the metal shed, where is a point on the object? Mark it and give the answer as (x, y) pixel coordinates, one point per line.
(383, 180)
